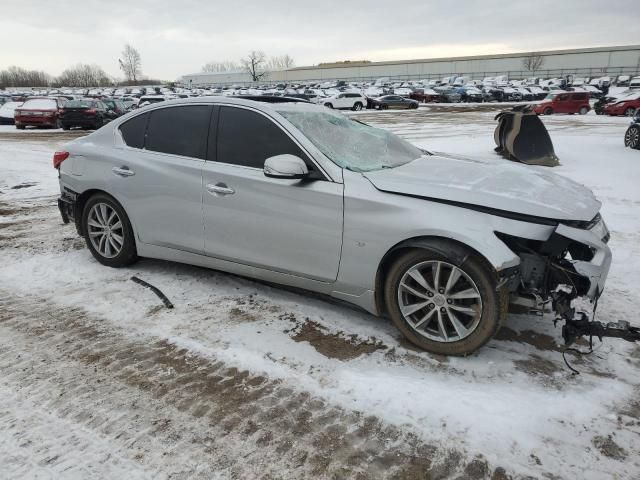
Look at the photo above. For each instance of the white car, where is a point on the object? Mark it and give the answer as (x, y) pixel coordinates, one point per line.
(7, 112)
(353, 101)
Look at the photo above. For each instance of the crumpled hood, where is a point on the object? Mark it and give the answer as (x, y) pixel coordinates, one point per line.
(494, 184)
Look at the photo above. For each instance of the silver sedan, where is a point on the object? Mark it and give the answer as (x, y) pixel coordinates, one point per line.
(297, 194)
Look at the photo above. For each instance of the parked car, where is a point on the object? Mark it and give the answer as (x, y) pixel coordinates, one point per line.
(425, 95)
(564, 102)
(395, 102)
(352, 101)
(632, 135)
(470, 94)
(115, 107)
(39, 112)
(449, 94)
(634, 83)
(303, 203)
(628, 106)
(7, 112)
(86, 113)
(150, 99)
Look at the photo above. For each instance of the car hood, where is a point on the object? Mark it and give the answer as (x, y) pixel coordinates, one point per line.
(493, 184)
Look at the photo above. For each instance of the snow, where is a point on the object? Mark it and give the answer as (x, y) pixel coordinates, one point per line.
(511, 400)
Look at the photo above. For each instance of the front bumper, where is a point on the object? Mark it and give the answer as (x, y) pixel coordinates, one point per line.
(596, 269)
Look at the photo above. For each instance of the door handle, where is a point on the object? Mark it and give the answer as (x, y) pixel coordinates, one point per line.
(123, 171)
(220, 189)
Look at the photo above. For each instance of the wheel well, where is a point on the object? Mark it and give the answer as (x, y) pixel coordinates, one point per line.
(456, 251)
(81, 201)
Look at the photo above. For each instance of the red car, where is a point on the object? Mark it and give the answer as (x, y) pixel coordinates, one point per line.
(39, 112)
(625, 106)
(564, 102)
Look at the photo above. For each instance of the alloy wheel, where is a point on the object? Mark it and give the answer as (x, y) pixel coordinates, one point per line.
(105, 229)
(439, 301)
(632, 137)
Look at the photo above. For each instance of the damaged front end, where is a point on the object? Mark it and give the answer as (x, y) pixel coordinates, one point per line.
(566, 274)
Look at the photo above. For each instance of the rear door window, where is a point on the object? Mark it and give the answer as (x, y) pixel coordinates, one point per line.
(248, 138)
(179, 130)
(133, 131)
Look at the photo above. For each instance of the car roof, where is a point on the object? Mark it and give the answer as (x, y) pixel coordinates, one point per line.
(238, 101)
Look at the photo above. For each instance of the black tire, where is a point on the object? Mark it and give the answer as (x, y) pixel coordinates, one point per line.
(65, 126)
(583, 111)
(20, 127)
(328, 105)
(494, 303)
(548, 111)
(384, 107)
(632, 137)
(128, 253)
(357, 107)
(629, 112)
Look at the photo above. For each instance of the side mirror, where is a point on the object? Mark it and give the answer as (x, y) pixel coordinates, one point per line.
(285, 166)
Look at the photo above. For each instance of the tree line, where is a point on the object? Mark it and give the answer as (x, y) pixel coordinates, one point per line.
(80, 75)
(256, 64)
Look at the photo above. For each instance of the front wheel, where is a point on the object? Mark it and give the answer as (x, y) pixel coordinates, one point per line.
(632, 137)
(328, 105)
(357, 106)
(630, 112)
(107, 232)
(442, 307)
(548, 111)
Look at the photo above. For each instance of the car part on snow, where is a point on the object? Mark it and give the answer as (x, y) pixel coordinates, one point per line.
(632, 135)
(522, 137)
(156, 290)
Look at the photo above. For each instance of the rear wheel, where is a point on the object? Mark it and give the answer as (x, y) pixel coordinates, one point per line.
(442, 307)
(632, 137)
(584, 111)
(630, 112)
(107, 232)
(548, 111)
(357, 106)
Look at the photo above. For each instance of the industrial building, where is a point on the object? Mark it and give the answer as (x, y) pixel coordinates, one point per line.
(583, 62)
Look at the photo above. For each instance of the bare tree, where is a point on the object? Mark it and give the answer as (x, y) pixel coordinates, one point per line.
(280, 62)
(83, 75)
(130, 63)
(226, 66)
(20, 77)
(255, 64)
(533, 62)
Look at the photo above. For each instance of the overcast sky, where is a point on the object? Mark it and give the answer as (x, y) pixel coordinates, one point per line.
(178, 37)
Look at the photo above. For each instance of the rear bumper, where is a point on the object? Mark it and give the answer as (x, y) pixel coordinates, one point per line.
(36, 121)
(68, 206)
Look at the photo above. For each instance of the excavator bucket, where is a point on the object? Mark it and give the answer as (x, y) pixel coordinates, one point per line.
(522, 137)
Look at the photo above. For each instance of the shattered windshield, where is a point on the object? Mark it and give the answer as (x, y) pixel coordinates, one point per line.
(352, 144)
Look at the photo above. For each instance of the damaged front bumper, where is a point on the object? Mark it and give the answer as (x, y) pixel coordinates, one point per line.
(596, 268)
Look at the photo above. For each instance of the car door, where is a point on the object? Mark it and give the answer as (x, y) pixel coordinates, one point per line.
(289, 226)
(157, 175)
(562, 103)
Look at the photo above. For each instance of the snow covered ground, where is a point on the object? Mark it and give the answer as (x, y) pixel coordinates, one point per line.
(246, 380)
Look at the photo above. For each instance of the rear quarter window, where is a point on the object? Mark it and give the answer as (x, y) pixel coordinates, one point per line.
(133, 131)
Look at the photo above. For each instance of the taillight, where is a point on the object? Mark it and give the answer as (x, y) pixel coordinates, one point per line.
(58, 158)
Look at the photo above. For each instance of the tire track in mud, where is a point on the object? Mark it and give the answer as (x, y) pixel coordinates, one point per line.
(174, 414)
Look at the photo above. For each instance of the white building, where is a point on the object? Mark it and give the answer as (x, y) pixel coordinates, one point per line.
(583, 62)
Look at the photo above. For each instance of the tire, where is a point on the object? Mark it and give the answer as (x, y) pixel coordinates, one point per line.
(384, 107)
(548, 111)
(328, 105)
(473, 276)
(583, 111)
(629, 112)
(20, 127)
(357, 107)
(65, 126)
(103, 204)
(632, 137)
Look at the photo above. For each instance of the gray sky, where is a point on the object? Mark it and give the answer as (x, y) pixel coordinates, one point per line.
(178, 37)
